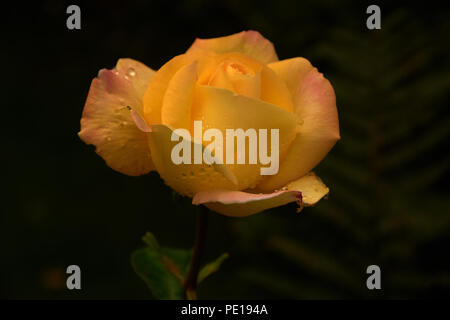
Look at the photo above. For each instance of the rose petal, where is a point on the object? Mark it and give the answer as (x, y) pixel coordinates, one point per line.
(249, 86)
(154, 94)
(273, 89)
(177, 102)
(237, 78)
(306, 191)
(139, 121)
(107, 123)
(220, 79)
(312, 188)
(251, 43)
(315, 104)
(186, 179)
(221, 109)
(241, 204)
(138, 73)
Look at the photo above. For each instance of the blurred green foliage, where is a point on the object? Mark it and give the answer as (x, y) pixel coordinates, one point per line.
(388, 175)
(162, 269)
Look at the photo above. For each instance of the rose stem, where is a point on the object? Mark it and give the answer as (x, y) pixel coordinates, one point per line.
(190, 284)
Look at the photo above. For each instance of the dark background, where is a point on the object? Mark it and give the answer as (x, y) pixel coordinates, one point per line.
(388, 175)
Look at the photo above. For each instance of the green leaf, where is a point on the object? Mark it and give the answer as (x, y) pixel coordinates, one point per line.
(211, 267)
(177, 261)
(162, 269)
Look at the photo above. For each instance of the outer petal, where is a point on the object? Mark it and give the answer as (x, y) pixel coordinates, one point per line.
(138, 74)
(221, 109)
(186, 179)
(251, 43)
(306, 191)
(315, 104)
(106, 121)
(241, 204)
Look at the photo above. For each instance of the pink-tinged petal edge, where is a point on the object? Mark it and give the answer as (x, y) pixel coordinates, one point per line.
(251, 43)
(306, 191)
(107, 122)
(315, 105)
(241, 204)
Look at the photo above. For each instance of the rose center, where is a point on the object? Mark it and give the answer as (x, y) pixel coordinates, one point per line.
(238, 78)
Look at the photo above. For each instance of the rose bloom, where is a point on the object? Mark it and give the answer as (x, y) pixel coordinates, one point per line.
(229, 82)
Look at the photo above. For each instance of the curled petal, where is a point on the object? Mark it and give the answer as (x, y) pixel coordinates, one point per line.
(312, 188)
(292, 71)
(241, 204)
(251, 43)
(155, 91)
(107, 123)
(315, 105)
(275, 91)
(177, 102)
(306, 191)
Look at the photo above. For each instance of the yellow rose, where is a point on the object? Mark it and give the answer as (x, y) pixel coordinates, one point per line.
(229, 82)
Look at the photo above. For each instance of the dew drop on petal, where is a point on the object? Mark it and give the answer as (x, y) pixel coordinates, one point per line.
(131, 72)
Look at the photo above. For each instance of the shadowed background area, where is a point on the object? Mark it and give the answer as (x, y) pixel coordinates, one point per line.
(388, 175)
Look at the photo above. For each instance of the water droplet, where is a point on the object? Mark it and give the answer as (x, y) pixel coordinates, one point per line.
(108, 139)
(131, 72)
